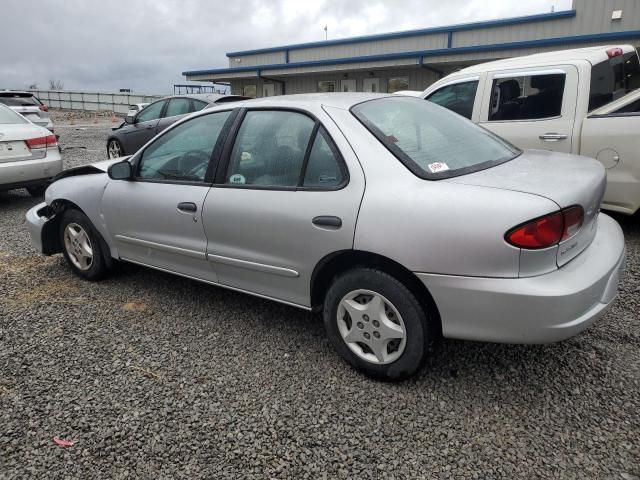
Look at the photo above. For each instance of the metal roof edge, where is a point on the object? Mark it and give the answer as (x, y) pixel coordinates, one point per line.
(412, 33)
(428, 53)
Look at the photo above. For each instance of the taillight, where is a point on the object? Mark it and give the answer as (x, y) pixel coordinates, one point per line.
(547, 231)
(44, 108)
(614, 52)
(42, 142)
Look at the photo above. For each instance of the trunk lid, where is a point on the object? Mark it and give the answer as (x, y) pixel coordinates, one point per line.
(567, 180)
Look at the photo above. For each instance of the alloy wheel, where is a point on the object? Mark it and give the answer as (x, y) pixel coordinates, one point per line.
(114, 149)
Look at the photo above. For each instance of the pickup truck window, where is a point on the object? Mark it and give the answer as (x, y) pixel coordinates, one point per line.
(529, 97)
(458, 97)
(613, 78)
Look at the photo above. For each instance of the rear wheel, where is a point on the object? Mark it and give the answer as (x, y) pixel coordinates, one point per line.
(81, 245)
(377, 324)
(114, 148)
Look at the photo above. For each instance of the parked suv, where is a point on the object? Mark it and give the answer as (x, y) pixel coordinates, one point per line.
(583, 101)
(29, 106)
(141, 127)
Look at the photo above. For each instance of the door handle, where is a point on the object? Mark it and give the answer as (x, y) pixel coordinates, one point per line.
(188, 207)
(327, 221)
(553, 137)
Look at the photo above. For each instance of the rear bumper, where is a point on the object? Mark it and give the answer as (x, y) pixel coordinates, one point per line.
(30, 172)
(542, 309)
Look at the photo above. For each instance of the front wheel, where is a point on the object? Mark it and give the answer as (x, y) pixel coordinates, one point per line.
(376, 324)
(81, 245)
(114, 149)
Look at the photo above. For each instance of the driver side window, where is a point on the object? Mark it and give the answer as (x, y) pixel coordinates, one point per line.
(150, 112)
(183, 153)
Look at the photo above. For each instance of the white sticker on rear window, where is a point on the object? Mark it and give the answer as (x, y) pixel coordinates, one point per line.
(438, 167)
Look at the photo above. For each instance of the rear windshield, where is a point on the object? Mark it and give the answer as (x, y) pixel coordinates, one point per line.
(18, 100)
(8, 116)
(613, 79)
(432, 141)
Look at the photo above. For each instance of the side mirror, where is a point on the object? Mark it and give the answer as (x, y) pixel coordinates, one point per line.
(120, 171)
(130, 119)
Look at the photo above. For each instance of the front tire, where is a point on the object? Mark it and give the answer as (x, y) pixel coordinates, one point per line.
(114, 149)
(81, 245)
(377, 324)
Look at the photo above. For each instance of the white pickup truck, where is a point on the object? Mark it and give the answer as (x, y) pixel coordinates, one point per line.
(584, 101)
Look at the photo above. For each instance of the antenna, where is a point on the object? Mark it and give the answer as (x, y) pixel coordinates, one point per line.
(326, 32)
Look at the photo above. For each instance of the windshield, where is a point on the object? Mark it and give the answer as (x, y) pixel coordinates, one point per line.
(8, 117)
(613, 79)
(432, 141)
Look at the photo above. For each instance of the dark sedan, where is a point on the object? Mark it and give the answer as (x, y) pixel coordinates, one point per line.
(138, 129)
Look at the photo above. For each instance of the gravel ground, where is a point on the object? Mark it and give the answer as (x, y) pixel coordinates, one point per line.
(155, 376)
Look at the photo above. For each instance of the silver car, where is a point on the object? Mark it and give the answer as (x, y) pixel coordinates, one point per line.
(397, 218)
(28, 105)
(29, 155)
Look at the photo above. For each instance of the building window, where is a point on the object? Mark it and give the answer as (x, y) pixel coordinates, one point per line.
(528, 97)
(249, 91)
(327, 86)
(396, 84)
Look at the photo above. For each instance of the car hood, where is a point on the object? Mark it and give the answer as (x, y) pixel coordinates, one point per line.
(98, 167)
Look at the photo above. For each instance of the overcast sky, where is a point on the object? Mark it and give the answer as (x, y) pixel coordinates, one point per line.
(145, 44)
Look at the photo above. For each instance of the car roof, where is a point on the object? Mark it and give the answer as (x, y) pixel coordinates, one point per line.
(591, 54)
(310, 100)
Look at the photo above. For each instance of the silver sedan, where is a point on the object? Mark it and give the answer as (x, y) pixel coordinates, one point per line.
(399, 220)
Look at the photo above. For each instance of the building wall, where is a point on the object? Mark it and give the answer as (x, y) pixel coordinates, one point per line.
(419, 79)
(592, 16)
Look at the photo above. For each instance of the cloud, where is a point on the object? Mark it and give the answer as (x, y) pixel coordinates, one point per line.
(145, 44)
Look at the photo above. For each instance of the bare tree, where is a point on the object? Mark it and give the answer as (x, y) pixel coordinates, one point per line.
(55, 84)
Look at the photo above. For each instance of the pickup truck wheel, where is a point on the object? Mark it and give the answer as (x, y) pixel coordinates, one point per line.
(376, 324)
(114, 148)
(81, 245)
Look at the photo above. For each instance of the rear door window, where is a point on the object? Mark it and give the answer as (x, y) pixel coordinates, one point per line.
(270, 148)
(527, 97)
(459, 97)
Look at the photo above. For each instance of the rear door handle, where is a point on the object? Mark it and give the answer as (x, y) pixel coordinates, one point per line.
(553, 137)
(189, 207)
(327, 221)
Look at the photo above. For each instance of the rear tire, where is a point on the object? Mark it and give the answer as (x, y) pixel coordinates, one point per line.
(82, 246)
(114, 149)
(37, 190)
(377, 324)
